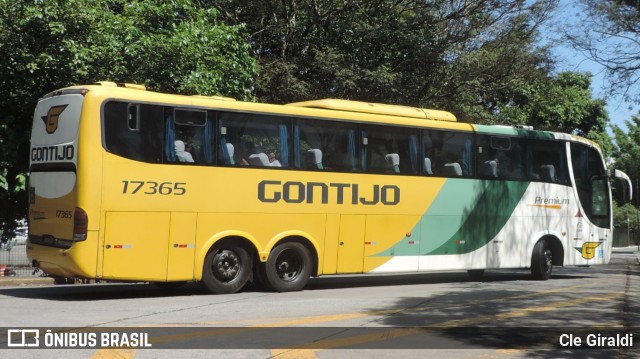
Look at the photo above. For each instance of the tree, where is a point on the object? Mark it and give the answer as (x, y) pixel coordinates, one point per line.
(44, 45)
(627, 152)
(459, 55)
(560, 103)
(478, 59)
(608, 32)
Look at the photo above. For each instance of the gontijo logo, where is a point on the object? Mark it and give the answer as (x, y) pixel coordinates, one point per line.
(319, 192)
(53, 153)
(52, 118)
(588, 249)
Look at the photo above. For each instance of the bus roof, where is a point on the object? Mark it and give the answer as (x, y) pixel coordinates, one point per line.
(377, 108)
(328, 108)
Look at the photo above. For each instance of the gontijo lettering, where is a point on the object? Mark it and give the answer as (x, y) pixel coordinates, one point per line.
(53, 153)
(318, 192)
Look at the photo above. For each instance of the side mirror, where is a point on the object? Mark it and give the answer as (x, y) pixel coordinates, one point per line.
(623, 188)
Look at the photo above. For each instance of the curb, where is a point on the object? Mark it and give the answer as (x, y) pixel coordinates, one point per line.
(22, 281)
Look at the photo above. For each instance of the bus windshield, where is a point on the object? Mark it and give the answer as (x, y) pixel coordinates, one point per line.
(592, 183)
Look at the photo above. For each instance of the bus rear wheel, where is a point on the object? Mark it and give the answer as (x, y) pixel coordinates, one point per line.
(541, 261)
(227, 268)
(289, 267)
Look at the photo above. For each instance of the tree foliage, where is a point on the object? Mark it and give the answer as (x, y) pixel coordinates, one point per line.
(465, 56)
(608, 31)
(627, 151)
(626, 216)
(45, 45)
(479, 59)
(560, 103)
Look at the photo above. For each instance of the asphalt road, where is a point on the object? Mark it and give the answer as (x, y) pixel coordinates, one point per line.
(420, 315)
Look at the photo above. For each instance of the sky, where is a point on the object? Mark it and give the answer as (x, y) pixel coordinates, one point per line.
(572, 60)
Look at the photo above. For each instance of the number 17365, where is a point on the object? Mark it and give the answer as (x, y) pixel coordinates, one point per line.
(152, 187)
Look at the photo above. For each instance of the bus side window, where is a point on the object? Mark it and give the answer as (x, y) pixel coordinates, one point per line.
(502, 157)
(134, 131)
(390, 150)
(323, 145)
(191, 133)
(447, 153)
(253, 140)
(548, 159)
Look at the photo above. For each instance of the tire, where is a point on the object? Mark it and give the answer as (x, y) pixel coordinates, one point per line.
(226, 269)
(289, 267)
(541, 261)
(475, 274)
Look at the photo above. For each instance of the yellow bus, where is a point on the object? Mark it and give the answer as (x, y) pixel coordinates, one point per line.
(132, 185)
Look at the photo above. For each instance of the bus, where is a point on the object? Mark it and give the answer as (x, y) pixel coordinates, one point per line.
(132, 185)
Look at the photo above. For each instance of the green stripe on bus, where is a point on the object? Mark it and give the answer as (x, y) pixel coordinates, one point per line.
(485, 219)
(464, 217)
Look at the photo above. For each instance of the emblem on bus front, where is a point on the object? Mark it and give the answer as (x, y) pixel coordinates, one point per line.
(588, 249)
(52, 117)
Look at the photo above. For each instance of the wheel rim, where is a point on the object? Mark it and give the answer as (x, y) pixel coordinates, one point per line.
(289, 265)
(548, 261)
(226, 265)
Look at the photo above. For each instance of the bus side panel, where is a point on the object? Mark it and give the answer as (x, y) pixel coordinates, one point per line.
(461, 227)
(182, 246)
(351, 243)
(546, 210)
(331, 244)
(136, 245)
(404, 232)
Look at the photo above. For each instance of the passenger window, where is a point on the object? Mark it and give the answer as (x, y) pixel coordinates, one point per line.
(134, 131)
(189, 136)
(501, 157)
(253, 140)
(325, 145)
(548, 162)
(447, 153)
(387, 149)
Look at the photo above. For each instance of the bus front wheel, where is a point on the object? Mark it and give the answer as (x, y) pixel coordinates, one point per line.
(289, 267)
(541, 261)
(227, 268)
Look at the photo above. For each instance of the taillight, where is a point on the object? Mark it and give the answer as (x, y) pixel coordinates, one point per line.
(80, 224)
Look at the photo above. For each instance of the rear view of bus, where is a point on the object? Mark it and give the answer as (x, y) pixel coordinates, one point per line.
(55, 221)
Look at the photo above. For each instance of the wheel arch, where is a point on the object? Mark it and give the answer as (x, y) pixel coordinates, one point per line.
(308, 241)
(556, 247)
(246, 240)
